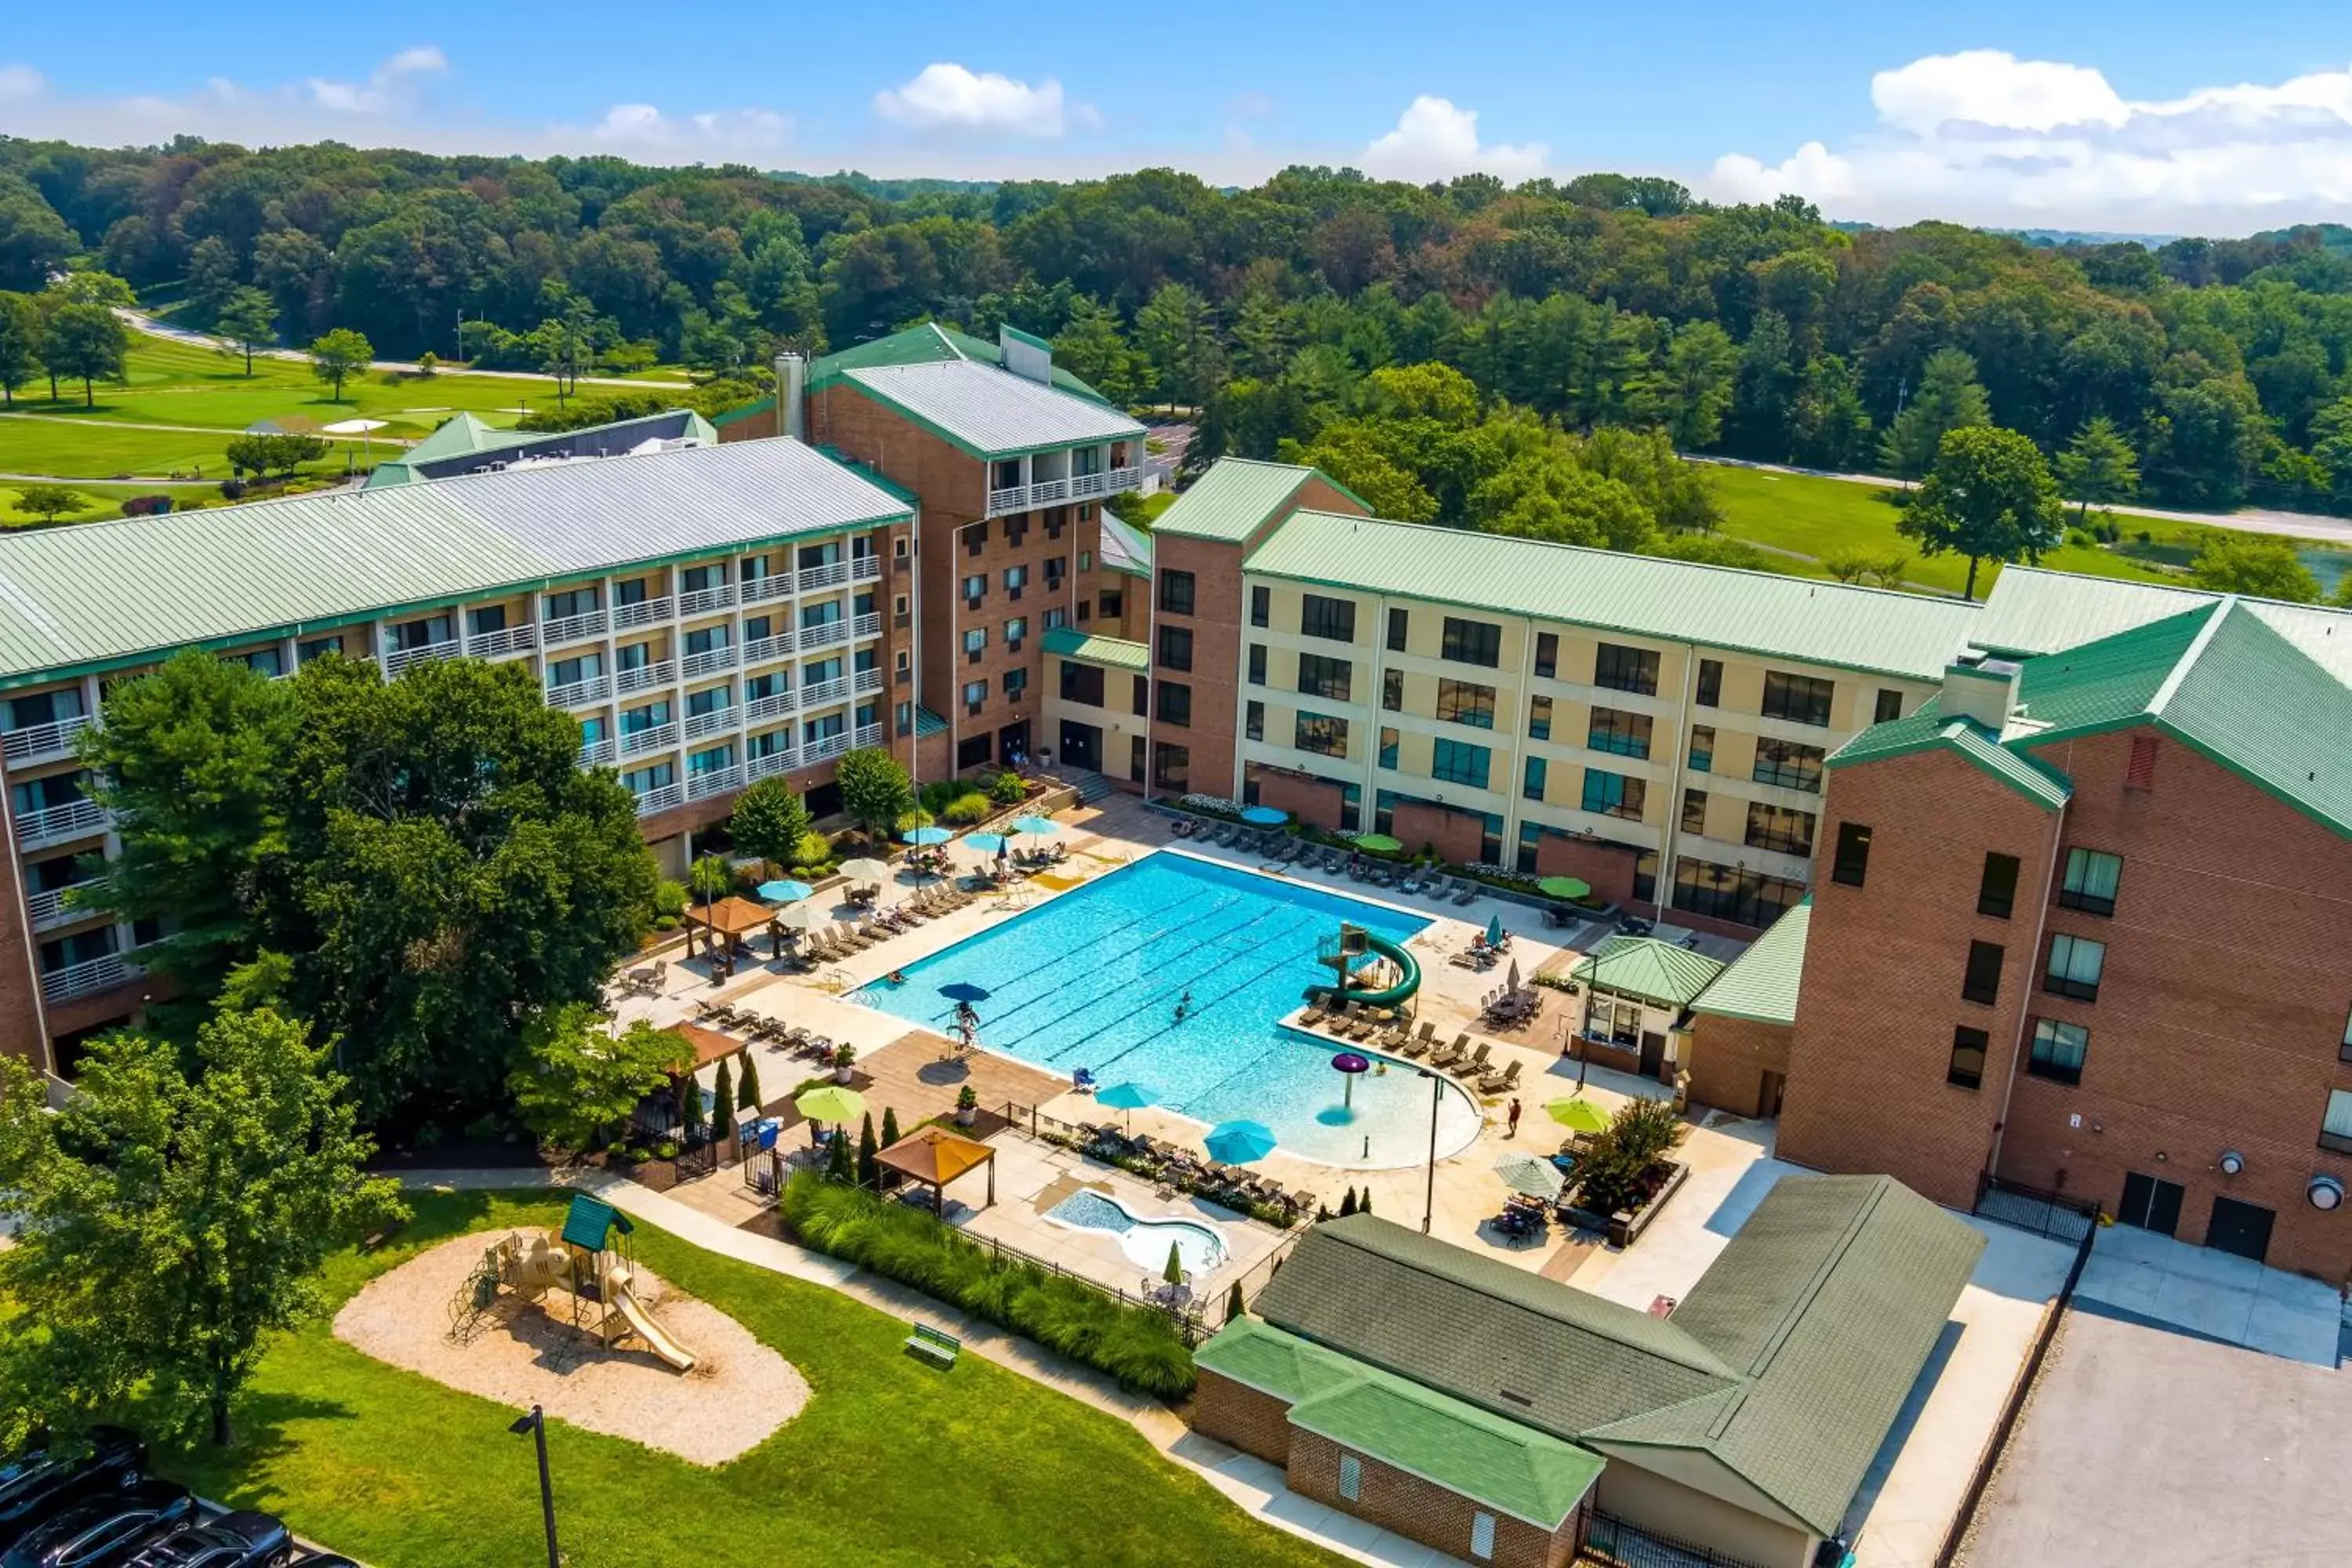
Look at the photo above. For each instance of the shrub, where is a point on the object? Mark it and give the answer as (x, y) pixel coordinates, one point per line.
(1643, 1132)
(1008, 789)
(967, 810)
(670, 900)
(814, 849)
(938, 793)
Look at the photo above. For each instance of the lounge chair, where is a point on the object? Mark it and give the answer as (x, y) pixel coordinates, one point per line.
(1447, 1055)
(1420, 1045)
(1464, 892)
(1500, 1082)
(1476, 1063)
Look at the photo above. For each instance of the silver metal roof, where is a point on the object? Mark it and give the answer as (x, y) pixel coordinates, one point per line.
(992, 412)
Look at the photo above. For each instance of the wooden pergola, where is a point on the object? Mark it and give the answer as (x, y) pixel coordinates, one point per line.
(934, 1157)
(723, 922)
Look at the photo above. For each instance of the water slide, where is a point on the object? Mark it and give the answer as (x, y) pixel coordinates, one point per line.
(641, 1323)
(1408, 976)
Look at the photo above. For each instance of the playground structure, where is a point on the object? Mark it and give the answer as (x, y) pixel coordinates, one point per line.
(580, 1272)
(1391, 983)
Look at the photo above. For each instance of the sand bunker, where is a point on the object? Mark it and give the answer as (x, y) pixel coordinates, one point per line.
(739, 1392)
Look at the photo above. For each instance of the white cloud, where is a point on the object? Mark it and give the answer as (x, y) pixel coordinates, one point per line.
(1984, 137)
(1436, 141)
(947, 96)
(18, 83)
(735, 134)
(394, 85)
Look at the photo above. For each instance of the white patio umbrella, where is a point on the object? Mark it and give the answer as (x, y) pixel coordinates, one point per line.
(796, 917)
(864, 869)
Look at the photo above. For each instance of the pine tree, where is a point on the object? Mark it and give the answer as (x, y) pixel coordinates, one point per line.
(1366, 1206)
(747, 1093)
(1347, 1204)
(722, 1103)
(1235, 1306)
(837, 1167)
(689, 1109)
(889, 1126)
(869, 1169)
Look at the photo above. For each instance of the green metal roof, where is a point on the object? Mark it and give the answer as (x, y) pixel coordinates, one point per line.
(463, 436)
(1656, 970)
(1232, 499)
(928, 723)
(1928, 730)
(455, 437)
(2033, 611)
(1796, 618)
(1272, 1362)
(101, 594)
(989, 411)
(929, 343)
(1116, 652)
(1761, 983)
(1125, 548)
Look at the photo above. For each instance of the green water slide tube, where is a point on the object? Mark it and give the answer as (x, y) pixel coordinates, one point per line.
(1408, 976)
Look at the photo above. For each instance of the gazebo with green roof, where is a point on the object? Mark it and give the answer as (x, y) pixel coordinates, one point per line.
(1637, 991)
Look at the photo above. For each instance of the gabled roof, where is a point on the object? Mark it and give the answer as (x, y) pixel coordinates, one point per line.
(2032, 610)
(1656, 970)
(1125, 549)
(454, 436)
(464, 443)
(1761, 984)
(1233, 501)
(1116, 653)
(105, 594)
(1828, 623)
(991, 412)
(929, 343)
(1928, 730)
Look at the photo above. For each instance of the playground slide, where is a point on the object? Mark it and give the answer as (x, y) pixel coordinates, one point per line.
(642, 1324)
(1408, 976)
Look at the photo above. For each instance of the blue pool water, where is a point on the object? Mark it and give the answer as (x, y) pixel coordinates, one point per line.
(1145, 1241)
(1093, 978)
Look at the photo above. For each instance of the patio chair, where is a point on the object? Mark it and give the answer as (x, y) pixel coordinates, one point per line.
(1416, 1047)
(1476, 1063)
(1464, 892)
(1447, 1055)
(1500, 1082)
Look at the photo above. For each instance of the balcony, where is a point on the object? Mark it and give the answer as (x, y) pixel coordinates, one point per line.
(659, 799)
(53, 908)
(825, 633)
(761, 590)
(573, 628)
(708, 659)
(869, 624)
(502, 644)
(761, 650)
(715, 781)
(703, 601)
(782, 761)
(869, 735)
(1128, 479)
(1012, 498)
(828, 747)
(43, 743)
(761, 709)
(832, 575)
(717, 722)
(644, 613)
(865, 680)
(1085, 485)
(1045, 492)
(56, 823)
(577, 693)
(596, 753)
(817, 693)
(652, 738)
(87, 977)
(399, 659)
(865, 569)
(647, 676)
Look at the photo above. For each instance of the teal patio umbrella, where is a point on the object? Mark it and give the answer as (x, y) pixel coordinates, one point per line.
(1130, 1097)
(927, 836)
(1239, 1142)
(1036, 824)
(1494, 930)
(986, 842)
(783, 892)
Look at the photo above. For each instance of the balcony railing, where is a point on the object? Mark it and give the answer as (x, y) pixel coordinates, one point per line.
(830, 746)
(869, 735)
(761, 650)
(1085, 485)
(715, 781)
(502, 644)
(774, 706)
(776, 762)
(825, 633)
(865, 569)
(637, 743)
(51, 909)
(573, 628)
(646, 676)
(761, 590)
(89, 976)
(1011, 498)
(869, 624)
(661, 798)
(866, 680)
(698, 725)
(702, 601)
(817, 693)
(1126, 478)
(399, 659)
(832, 575)
(55, 824)
(708, 659)
(39, 743)
(596, 753)
(573, 694)
(644, 613)
(1045, 492)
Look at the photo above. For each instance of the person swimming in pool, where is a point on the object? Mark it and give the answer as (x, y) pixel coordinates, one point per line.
(895, 977)
(1183, 1005)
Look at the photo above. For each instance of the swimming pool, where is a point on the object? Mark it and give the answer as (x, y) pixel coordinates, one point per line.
(1145, 1241)
(1094, 978)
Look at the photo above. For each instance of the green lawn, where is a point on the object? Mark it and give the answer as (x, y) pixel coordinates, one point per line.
(893, 1462)
(1815, 517)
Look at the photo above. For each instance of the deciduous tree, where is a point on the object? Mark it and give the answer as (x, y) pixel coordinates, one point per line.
(248, 321)
(50, 502)
(874, 789)
(85, 341)
(771, 819)
(337, 356)
(1989, 497)
(20, 344)
(2252, 565)
(578, 1076)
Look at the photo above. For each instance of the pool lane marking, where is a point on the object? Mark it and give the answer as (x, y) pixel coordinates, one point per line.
(1225, 995)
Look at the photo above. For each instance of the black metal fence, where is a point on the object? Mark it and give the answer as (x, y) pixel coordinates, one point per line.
(1607, 1540)
(2058, 1215)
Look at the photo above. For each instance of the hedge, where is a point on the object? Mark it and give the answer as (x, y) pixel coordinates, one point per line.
(1137, 1345)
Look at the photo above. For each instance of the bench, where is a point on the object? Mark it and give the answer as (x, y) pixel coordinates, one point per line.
(935, 1345)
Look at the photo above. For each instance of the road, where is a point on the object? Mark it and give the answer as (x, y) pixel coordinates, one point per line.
(138, 320)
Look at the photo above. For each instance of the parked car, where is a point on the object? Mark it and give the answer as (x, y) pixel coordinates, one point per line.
(102, 1531)
(232, 1540)
(42, 1482)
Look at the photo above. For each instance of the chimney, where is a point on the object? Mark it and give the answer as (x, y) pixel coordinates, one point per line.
(1027, 355)
(1986, 692)
(791, 396)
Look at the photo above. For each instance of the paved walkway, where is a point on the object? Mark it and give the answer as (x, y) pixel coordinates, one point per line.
(2141, 1276)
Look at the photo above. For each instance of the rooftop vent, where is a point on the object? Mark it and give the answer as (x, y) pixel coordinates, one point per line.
(1027, 355)
(1986, 692)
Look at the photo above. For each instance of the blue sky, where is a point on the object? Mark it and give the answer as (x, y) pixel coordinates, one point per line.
(2158, 115)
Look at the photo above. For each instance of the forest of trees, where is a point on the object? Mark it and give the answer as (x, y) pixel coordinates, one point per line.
(2215, 371)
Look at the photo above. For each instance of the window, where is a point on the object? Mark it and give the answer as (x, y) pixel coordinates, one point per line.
(707, 639)
(1016, 579)
(769, 685)
(1996, 892)
(1017, 632)
(1053, 570)
(1729, 893)
(1531, 782)
(974, 749)
(1110, 604)
(1176, 594)
(975, 589)
(1257, 664)
(1254, 720)
(1539, 718)
(1702, 749)
(1967, 1069)
(1388, 759)
(975, 642)
(1393, 691)
(2335, 1127)
(1016, 684)
(1851, 862)
(1614, 794)
(1081, 683)
(1890, 706)
(1694, 811)
(1631, 669)
(2075, 964)
(571, 602)
(1710, 683)
(1055, 617)
(1351, 1477)
(1981, 983)
(1788, 764)
(1547, 654)
(975, 538)
(2092, 877)
(1171, 767)
(711, 700)
(2058, 1050)
(1482, 1536)
(1400, 629)
(1798, 698)
(1452, 761)
(262, 660)
(1780, 828)
(1618, 733)
(1016, 530)
(1326, 678)
(316, 648)
(1323, 737)
(1175, 647)
(636, 591)
(1175, 704)
(1322, 617)
(1461, 702)
(1260, 606)
(1472, 642)
(975, 696)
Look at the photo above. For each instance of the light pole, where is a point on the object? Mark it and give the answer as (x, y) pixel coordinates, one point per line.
(1428, 1197)
(536, 1425)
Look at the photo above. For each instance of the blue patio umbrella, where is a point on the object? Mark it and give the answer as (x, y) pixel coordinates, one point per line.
(964, 991)
(783, 892)
(1264, 815)
(1033, 825)
(986, 842)
(928, 836)
(1129, 1097)
(1495, 931)
(1239, 1142)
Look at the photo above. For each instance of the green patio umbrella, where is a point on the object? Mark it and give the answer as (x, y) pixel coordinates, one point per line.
(831, 1103)
(1378, 844)
(1578, 1115)
(1564, 888)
